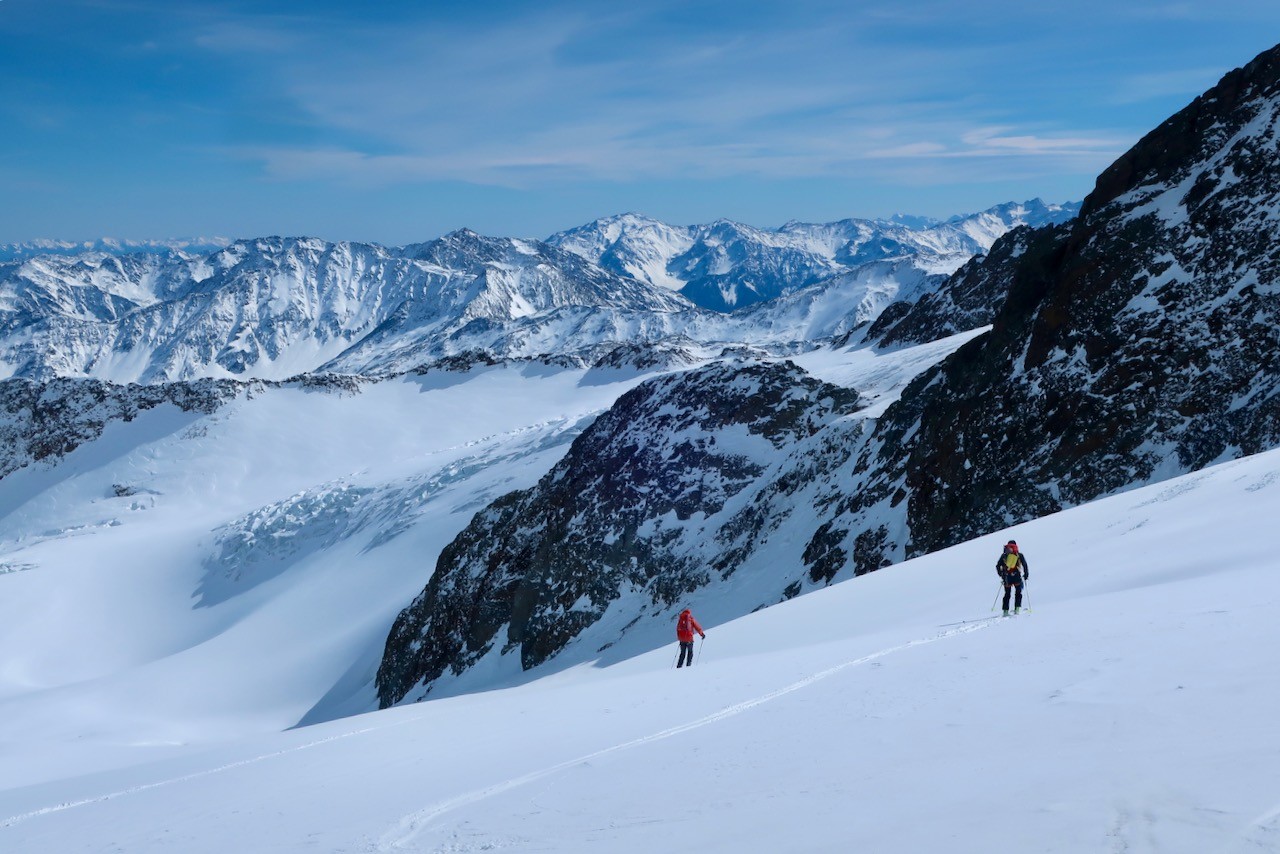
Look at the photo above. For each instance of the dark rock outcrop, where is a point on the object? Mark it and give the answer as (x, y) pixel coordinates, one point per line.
(970, 299)
(1136, 343)
(626, 511)
(49, 420)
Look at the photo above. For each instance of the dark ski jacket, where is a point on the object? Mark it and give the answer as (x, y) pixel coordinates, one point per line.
(1009, 576)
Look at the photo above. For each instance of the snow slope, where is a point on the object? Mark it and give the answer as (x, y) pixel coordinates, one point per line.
(1131, 710)
(186, 577)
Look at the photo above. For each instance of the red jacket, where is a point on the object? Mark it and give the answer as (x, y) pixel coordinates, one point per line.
(686, 625)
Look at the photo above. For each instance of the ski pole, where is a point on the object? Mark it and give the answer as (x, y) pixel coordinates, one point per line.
(997, 599)
(677, 658)
(700, 643)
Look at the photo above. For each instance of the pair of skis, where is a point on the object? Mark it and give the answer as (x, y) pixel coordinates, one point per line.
(1025, 611)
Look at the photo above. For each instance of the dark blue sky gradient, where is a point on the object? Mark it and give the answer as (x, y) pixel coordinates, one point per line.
(398, 121)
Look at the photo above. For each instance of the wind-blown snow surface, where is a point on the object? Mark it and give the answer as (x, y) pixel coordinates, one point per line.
(1131, 710)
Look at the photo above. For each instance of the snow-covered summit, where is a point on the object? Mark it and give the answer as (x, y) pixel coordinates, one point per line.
(632, 244)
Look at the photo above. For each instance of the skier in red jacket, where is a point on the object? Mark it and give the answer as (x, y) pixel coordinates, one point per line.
(686, 625)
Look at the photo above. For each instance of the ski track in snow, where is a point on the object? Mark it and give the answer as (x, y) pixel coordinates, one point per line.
(409, 827)
(208, 772)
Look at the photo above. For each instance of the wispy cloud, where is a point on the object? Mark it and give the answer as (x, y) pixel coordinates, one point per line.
(532, 100)
(590, 99)
(238, 36)
(999, 141)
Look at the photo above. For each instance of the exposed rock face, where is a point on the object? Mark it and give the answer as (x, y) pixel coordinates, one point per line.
(664, 355)
(1136, 343)
(48, 420)
(639, 506)
(969, 300)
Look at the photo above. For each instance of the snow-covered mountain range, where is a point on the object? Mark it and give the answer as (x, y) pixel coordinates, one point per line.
(273, 308)
(115, 246)
(726, 265)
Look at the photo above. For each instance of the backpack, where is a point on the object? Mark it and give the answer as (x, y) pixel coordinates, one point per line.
(1011, 561)
(683, 626)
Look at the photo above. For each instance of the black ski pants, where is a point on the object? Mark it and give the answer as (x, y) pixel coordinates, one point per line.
(1010, 583)
(686, 649)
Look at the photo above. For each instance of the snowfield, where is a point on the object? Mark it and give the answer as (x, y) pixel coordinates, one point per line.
(150, 696)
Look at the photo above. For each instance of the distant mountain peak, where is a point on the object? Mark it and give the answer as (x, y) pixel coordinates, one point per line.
(111, 246)
(727, 265)
(912, 221)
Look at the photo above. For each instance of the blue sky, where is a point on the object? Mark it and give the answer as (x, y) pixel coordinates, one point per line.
(397, 121)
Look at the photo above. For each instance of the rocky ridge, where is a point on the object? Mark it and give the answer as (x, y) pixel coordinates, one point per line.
(46, 421)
